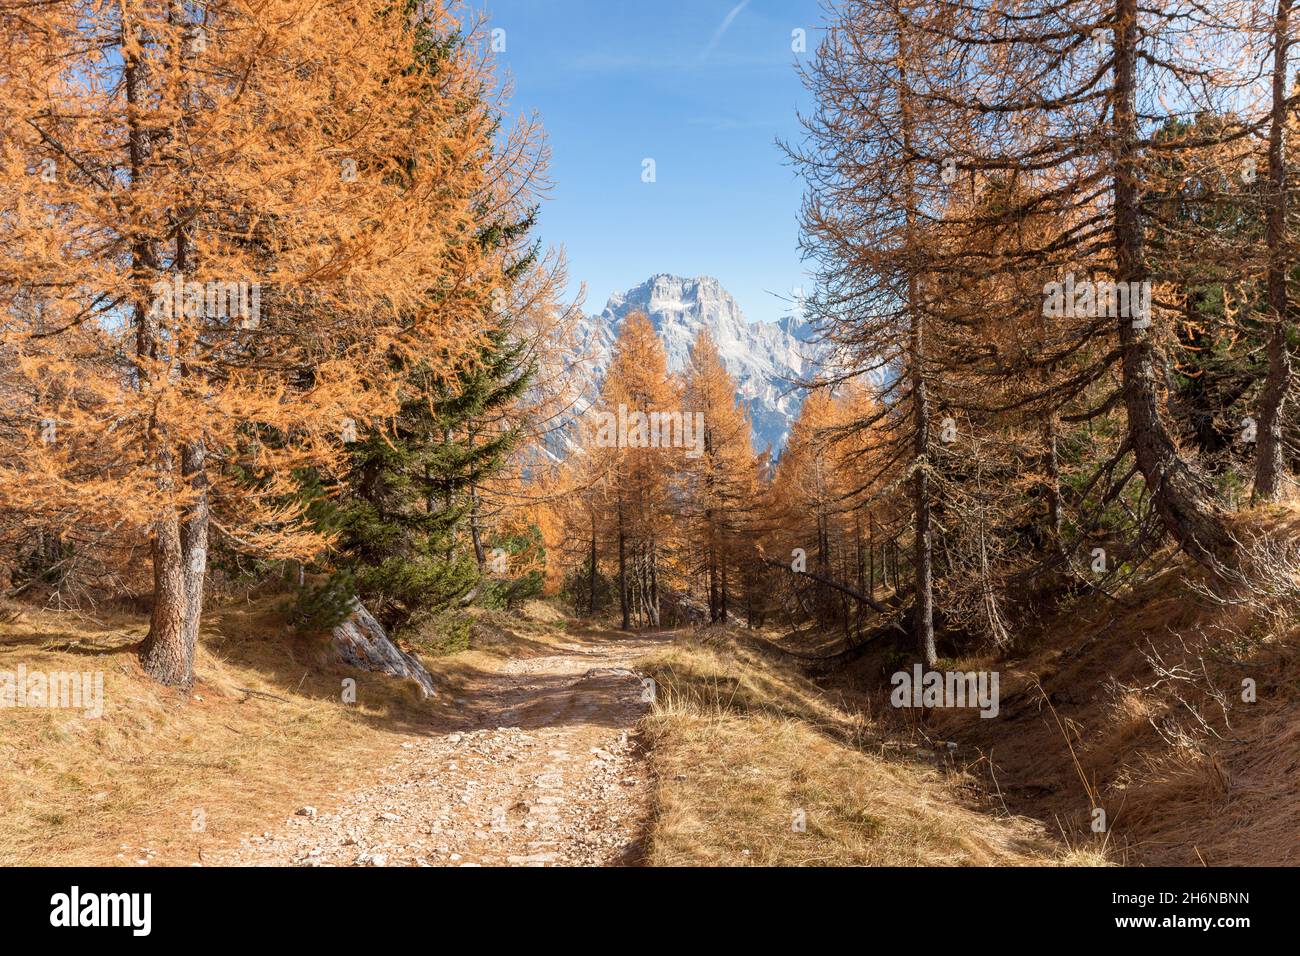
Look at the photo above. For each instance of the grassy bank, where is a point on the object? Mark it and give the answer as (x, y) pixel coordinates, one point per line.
(744, 750)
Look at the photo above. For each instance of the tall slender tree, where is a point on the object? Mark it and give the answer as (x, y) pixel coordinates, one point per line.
(720, 483)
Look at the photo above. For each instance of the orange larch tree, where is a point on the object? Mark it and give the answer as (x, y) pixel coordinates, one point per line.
(637, 395)
(218, 225)
(719, 486)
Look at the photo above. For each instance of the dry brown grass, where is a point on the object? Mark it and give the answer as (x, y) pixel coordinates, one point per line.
(77, 791)
(741, 742)
(1148, 695)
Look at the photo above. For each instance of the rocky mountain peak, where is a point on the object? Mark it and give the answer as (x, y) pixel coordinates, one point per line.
(765, 358)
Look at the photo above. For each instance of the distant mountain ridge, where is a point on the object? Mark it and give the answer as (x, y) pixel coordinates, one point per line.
(766, 359)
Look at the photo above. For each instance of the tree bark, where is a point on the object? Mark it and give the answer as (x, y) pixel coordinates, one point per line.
(622, 572)
(713, 586)
(871, 555)
(652, 568)
(475, 533)
(194, 541)
(1270, 456)
(166, 655)
(722, 608)
(922, 545)
(591, 579)
(1181, 498)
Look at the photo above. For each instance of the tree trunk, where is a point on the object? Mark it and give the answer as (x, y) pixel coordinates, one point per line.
(722, 607)
(591, 580)
(1269, 453)
(475, 532)
(652, 568)
(923, 551)
(923, 623)
(1052, 471)
(447, 500)
(622, 572)
(194, 541)
(166, 655)
(871, 555)
(1180, 497)
(713, 586)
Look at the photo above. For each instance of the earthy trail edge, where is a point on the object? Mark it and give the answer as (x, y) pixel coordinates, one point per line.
(544, 772)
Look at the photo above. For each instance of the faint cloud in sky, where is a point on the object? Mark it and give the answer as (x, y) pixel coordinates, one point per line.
(727, 21)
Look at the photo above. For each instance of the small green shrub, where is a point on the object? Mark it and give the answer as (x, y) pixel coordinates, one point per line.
(324, 606)
(437, 633)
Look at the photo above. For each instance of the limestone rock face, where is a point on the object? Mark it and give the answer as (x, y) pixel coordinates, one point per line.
(765, 358)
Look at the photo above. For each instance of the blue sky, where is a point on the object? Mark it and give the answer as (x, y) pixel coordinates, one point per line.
(702, 87)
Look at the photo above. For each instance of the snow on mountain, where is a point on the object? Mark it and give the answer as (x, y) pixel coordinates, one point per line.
(766, 359)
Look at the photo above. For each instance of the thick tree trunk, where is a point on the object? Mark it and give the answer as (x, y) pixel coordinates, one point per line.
(922, 550)
(166, 655)
(1181, 498)
(1270, 459)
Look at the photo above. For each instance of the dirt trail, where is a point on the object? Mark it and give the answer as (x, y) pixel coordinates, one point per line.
(543, 772)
